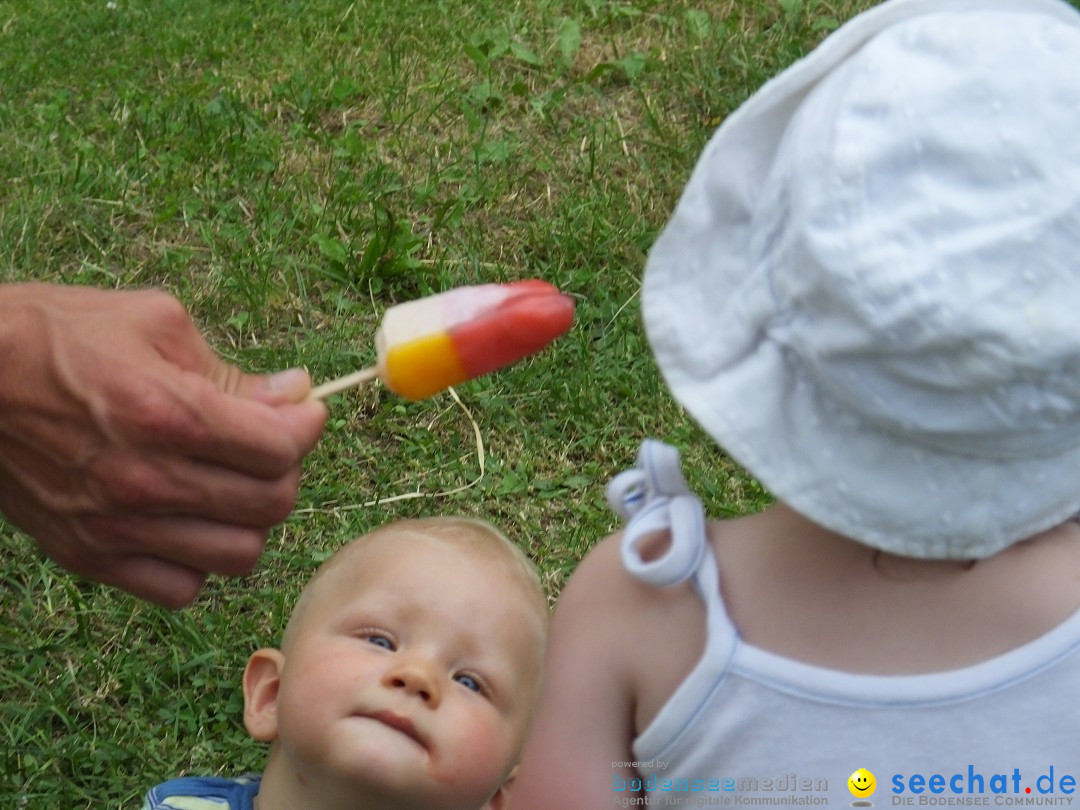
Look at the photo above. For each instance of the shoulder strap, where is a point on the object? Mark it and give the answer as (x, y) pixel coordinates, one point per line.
(654, 496)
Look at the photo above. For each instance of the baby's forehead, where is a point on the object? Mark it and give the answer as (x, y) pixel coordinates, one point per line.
(480, 600)
(470, 566)
(398, 548)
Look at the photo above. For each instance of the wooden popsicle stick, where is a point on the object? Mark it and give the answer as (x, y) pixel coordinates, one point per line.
(341, 383)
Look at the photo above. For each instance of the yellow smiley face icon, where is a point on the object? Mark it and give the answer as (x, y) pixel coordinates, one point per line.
(862, 783)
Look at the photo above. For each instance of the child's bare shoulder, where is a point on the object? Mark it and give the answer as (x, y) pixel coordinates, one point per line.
(602, 589)
(634, 625)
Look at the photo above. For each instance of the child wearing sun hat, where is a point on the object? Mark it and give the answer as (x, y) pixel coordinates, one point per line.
(869, 296)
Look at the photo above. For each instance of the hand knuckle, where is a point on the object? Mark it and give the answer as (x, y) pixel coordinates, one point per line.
(136, 485)
(281, 500)
(68, 555)
(155, 416)
(182, 591)
(165, 309)
(244, 553)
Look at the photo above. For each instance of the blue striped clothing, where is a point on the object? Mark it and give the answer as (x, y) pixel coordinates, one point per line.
(204, 793)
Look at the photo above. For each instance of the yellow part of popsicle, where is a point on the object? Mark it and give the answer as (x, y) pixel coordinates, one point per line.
(423, 366)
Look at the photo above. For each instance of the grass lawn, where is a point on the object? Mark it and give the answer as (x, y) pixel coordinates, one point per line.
(289, 169)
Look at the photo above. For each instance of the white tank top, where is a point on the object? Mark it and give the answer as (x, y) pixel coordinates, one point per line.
(751, 728)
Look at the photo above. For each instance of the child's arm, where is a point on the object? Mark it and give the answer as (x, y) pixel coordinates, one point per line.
(584, 726)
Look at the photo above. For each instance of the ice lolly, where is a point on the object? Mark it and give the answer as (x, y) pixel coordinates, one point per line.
(432, 343)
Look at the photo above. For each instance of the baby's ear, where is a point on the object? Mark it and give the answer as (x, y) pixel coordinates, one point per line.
(262, 677)
(501, 799)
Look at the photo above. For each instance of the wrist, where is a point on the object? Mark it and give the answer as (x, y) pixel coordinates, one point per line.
(12, 317)
(20, 338)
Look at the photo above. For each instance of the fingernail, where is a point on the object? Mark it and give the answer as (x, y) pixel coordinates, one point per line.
(291, 380)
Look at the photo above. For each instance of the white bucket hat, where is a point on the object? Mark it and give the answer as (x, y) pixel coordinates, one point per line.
(869, 293)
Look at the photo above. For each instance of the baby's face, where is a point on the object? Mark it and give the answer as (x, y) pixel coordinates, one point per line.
(412, 675)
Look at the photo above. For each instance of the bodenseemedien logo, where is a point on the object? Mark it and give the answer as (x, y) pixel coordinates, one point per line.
(651, 788)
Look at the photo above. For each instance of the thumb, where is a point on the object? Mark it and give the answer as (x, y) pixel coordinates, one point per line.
(281, 388)
(185, 347)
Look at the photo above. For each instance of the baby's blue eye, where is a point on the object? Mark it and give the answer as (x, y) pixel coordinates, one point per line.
(380, 641)
(469, 682)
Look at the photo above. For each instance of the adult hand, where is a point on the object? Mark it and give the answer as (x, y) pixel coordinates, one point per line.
(130, 451)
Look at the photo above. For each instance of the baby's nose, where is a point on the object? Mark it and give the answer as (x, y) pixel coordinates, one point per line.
(416, 679)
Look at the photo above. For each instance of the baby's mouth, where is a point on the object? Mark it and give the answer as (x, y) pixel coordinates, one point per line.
(399, 723)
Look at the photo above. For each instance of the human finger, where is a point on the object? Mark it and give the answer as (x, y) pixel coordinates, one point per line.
(193, 543)
(143, 575)
(280, 388)
(184, 347)
(234, 415)
(258, 439)
(154, 580)
(187, 416)
(124, 486)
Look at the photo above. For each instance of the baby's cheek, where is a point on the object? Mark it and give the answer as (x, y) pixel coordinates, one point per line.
(307, 703)
(476, 763)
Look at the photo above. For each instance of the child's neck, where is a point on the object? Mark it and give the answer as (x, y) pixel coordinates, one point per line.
(802, 591)
(281, 789)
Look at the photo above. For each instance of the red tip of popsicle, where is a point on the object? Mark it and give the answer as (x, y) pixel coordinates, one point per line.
(525, 322)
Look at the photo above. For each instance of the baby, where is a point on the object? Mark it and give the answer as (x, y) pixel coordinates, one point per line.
(406, 678)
